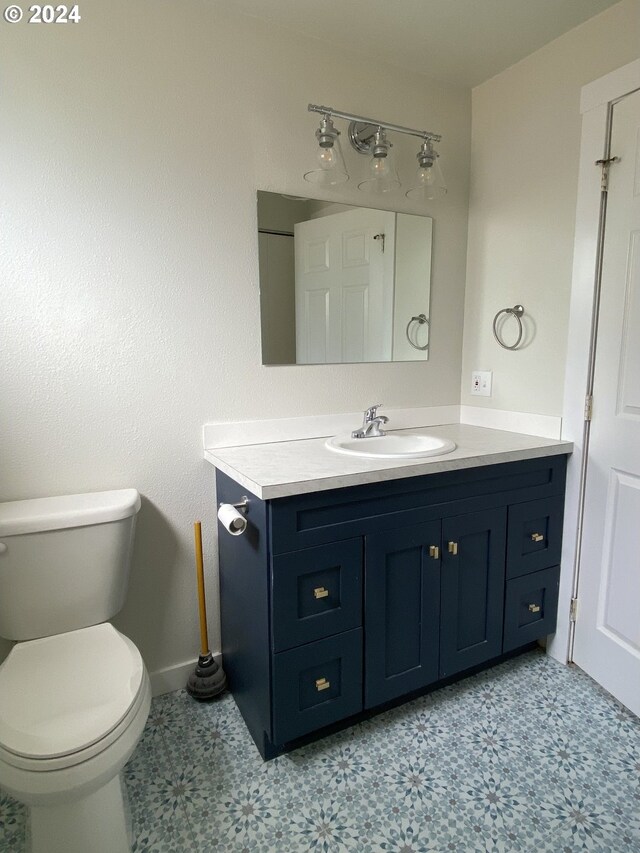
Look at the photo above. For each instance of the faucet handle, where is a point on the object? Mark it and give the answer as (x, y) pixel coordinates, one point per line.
(371, 412)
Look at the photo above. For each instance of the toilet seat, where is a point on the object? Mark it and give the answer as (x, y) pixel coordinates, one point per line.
(64, 699)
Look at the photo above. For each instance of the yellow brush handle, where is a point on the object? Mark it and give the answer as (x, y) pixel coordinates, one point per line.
(204, 638)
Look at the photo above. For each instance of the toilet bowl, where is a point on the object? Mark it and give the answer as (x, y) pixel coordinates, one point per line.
(74, 691)
(72, 709)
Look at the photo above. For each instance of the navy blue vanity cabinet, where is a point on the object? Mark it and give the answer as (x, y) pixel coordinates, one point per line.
(339, 602)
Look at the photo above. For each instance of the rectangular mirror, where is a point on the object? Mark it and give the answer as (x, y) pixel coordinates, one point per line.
(341, 284)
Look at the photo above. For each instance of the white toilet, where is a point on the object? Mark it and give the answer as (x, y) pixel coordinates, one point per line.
(74, 692)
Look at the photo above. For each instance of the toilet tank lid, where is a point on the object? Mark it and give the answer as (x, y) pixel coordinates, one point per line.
(62, 511)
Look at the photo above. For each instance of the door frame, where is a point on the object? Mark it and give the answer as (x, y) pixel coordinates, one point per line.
(595, 105)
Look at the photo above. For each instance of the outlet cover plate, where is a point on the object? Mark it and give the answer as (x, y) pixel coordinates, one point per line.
(481, 381)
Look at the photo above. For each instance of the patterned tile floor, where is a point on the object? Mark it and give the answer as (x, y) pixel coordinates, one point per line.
(529, 756)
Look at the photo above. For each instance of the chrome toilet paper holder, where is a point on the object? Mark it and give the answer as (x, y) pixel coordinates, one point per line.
(242, 504)
(232, 516)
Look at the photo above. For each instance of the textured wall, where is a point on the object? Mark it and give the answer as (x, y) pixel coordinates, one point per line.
(131, 150)
(524, 166)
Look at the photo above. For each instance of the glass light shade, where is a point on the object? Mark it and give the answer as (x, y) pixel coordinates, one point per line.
(383, 176)
(429, 183)
(330, 167)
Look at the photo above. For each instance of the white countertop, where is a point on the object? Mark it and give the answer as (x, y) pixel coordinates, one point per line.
(281, 469)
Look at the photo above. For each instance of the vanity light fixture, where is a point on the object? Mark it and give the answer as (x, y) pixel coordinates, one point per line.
(369, 136)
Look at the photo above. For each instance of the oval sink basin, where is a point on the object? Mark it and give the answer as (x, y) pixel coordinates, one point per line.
(391, 446)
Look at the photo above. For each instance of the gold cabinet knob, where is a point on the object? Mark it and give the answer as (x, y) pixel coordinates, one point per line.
(537, 537)
(322, 684)
(453, 548)
(434, 551)
(320, 592)
(534, 608)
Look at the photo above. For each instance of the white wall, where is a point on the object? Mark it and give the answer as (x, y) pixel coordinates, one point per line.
(132, 145)
(524, 166)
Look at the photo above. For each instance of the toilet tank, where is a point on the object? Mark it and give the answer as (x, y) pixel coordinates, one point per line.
(64, 561)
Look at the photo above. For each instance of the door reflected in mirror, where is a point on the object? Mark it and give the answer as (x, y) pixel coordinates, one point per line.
(342, 284)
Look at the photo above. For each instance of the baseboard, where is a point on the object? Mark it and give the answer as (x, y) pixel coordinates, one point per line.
(174, 677)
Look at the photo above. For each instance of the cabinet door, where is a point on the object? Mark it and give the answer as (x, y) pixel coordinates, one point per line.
(472, 600)
(402, 610)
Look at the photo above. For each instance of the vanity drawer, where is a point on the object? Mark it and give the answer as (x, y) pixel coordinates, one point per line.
(315, 593)
(535, 535)
(316, 685)
(531, 607)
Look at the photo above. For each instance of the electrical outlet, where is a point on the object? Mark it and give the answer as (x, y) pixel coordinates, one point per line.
(481, 382)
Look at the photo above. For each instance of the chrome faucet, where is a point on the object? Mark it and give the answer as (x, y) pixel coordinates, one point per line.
(371, 423)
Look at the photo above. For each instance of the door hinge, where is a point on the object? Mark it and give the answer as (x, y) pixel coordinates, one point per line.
(605, 165)
(573, 610)
(588, 407)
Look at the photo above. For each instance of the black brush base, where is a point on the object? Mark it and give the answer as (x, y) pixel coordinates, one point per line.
(208, 680)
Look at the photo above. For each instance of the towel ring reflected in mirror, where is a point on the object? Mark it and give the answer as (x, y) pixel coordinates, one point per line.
(421, 319)
(517, 311)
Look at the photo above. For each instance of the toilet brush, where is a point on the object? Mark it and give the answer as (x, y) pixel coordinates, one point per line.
(208, 680)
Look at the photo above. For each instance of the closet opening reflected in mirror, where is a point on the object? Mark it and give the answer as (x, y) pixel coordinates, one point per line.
(341, 284)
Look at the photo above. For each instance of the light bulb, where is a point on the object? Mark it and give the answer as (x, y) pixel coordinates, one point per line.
(427, 176)
(379, 168)
(383, 177)
(327, 158)
(330, 169)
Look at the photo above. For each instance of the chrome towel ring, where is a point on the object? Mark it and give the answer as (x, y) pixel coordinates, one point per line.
(517, 311)
(421, 319)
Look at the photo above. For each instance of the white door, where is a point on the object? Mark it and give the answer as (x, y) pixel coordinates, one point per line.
(607, 639)
(344, 287)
